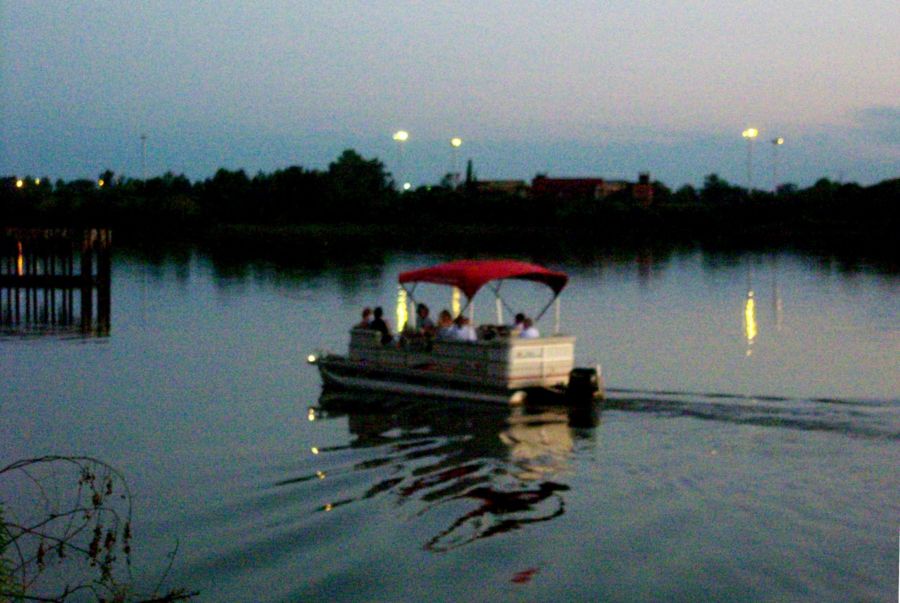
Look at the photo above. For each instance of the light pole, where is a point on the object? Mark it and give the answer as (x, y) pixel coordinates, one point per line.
(400, 136)
(750, 134)
(144, 157)
(455, 143)
(776, 142)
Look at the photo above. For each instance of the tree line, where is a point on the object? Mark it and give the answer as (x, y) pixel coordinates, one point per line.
(359, 191)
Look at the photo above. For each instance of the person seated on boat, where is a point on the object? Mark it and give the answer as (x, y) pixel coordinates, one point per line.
(529, 331)
(487, 332)
(516, 329)
(366, 319)
(424, 324)
(379, 324)
(444, 328)
(463, 329)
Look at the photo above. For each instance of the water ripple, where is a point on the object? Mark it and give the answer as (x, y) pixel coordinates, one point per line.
(878, 419)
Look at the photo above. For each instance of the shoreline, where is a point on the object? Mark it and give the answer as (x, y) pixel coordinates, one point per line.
(355, 242)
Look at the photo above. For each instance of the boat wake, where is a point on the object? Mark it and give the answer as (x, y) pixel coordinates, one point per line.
(878, 419)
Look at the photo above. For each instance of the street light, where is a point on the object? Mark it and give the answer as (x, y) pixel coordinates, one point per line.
(20, 183)
(144, 157)
(750, 134)
(776, 142)
(455, 143)
(400, 136)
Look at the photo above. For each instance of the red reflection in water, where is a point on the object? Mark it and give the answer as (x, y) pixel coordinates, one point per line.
(524, 576)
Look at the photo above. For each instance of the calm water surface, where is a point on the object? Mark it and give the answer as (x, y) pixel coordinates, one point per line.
(748, 451)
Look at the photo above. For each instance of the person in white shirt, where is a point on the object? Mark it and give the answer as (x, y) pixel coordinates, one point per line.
(529, 331)
(463, 330)
(424, 324)
(445, 325)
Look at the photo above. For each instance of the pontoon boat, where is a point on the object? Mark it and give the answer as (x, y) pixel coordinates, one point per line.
(499, 367)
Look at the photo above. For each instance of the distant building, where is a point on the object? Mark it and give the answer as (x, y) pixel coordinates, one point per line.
(570, 189)
(566, 189)
(518, 188)
(642, 192)
(612, 186)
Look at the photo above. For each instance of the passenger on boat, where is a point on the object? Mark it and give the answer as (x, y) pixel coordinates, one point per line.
(463, 329)
(366, 319)
(516, 329)
(529, 331)
(445, 325)
(379, 324)
(424, 324)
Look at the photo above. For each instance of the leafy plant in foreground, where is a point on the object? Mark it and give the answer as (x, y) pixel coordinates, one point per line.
(70, 532)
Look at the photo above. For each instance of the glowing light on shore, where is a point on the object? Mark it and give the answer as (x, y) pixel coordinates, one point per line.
(750, 135)
(20, 183)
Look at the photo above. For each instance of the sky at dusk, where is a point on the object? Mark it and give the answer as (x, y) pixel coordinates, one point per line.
(568, 88)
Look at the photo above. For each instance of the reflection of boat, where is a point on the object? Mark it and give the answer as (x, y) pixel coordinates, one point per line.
(499, 367)
(475, 475)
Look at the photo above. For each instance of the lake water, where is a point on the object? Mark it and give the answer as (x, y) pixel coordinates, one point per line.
(748, 450)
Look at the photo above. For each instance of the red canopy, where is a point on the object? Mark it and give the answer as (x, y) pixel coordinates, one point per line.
(470, 275)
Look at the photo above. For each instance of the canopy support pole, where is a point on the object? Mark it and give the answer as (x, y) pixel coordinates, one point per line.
(556, 323)
(500, 301)
(465, 307)
(547, 307)
(409, 292)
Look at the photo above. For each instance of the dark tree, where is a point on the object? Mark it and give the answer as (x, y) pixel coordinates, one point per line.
(359, 189)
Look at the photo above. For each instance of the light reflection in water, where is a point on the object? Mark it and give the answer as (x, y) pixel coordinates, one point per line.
(454, 302)
(448, 458)
(20, 260)
(777, 304)
(750, 321)
(539, 444)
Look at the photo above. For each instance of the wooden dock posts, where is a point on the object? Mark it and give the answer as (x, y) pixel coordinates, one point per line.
(40, 291)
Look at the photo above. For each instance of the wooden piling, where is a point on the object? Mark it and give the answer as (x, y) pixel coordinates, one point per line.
(37, 270)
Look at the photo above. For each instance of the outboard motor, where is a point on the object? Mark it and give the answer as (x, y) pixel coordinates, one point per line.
(584, 383)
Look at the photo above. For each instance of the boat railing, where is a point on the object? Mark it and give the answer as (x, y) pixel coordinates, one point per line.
(507, 361)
